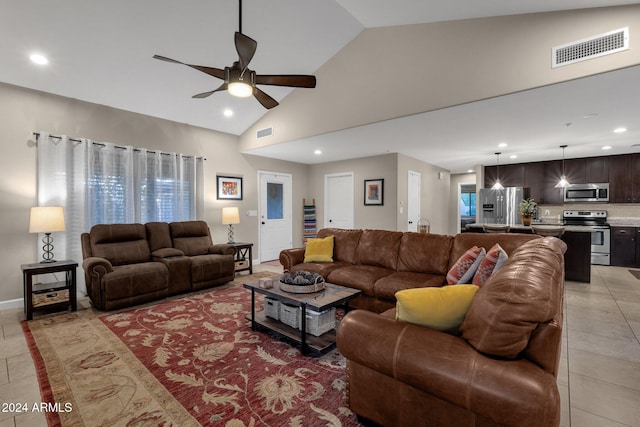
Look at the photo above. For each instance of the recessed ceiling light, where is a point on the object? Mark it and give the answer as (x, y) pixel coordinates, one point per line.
(502, 144)
(470, 170)
(513, 156)
(590, 115)
(607, 147)
(228, 113)
(39, 59)
(620, 130)
(317, 152)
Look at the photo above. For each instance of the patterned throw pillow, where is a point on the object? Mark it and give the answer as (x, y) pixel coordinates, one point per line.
(496, 256)
(466, 266)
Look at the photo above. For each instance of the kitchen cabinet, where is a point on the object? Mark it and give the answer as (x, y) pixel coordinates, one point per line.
(596, 169)
(623, 246)
(534, 180)
(552, 174)
(620, 179)
(575, 171)
(624, 178)
(510, 175)
(577, 258)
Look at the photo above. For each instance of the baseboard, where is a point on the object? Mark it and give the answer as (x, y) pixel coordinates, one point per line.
(11, 304)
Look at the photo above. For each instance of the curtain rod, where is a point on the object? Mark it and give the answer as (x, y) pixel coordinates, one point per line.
(37, 134)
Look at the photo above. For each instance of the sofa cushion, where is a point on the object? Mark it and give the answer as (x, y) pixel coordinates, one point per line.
(387, 286)
(158, 235)
(362, 277)
(208, 267)
(436, 308)
(466, 266)
(319, 250)
(322, 268)
(191, 237)
(495, 258)
(521, 295)
(345, 243)
(129, 281)
(120, 243)
(424, 253)
(379, 248)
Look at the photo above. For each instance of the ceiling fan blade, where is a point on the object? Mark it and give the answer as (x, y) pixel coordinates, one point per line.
(222, 87)
(246, 48)
(215, 72)
(293, 80)
(264, 99)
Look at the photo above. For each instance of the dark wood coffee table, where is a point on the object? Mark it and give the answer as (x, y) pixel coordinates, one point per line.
(331, 296)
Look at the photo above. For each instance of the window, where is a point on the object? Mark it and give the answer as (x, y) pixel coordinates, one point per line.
(468, 202)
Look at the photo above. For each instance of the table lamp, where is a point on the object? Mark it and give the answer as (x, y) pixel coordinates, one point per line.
(230, 216)
(46, 219)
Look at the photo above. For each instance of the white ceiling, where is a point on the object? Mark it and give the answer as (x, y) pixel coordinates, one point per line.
(101, 52)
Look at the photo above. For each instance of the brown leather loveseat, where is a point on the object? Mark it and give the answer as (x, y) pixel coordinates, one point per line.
(128, 264)
(500, 370)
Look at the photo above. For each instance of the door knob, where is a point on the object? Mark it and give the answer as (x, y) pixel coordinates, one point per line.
(263, 223)
(330, 220)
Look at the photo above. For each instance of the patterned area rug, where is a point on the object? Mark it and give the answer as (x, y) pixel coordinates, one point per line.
(184, 362)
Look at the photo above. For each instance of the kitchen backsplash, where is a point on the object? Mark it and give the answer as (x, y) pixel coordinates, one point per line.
(617, 213)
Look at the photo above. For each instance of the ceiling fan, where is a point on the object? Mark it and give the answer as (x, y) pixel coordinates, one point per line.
(241, 81)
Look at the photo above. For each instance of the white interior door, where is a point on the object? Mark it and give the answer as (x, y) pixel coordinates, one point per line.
(413, 201)
(276, 226)
(339, 200)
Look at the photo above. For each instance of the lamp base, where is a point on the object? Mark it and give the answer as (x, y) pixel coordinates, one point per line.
(47, 247)
(230, 234)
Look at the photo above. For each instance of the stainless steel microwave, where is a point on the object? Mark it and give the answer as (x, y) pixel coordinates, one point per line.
(587, 193)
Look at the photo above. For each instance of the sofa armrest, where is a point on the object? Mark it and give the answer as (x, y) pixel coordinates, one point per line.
(96, 267)
(222, 249)
(446, 366)
(291, 257)
(166, 253)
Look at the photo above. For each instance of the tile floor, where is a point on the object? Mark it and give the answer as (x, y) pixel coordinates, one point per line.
(599, 377)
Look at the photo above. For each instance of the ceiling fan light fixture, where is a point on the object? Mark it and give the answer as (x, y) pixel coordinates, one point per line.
(240, 89)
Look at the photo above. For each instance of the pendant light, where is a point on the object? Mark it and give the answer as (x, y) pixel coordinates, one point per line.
(563, 179)
(497, 185)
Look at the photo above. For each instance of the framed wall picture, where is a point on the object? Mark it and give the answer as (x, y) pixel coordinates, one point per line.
(229, 188)
(374, 192)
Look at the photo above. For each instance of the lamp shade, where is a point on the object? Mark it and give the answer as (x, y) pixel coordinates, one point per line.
(46, 219)
(230, 215)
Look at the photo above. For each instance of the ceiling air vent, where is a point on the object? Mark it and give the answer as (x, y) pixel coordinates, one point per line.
(264, 133)
(589, 48)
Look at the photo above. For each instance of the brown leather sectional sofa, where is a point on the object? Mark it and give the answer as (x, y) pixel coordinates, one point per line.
(380, 263)
(500, 369)
(128, 264)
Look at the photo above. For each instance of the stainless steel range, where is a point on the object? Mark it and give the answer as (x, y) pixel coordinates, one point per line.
(596, 221)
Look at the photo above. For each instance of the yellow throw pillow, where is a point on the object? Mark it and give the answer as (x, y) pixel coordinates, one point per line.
(319, 250)
(440, 308)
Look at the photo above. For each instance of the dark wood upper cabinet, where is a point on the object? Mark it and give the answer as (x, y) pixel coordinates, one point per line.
(534, 180)
(597, 169)
(552, 174)
(490, 176)
(512, 175)
(574, 170)
(620, 179)
(635, 172)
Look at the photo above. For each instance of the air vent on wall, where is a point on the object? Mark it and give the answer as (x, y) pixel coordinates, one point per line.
(264, 133)
(591, 47)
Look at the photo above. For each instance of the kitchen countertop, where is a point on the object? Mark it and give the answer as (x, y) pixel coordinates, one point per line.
(579, 228)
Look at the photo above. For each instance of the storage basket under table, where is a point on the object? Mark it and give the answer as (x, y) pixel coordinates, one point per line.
(318, 323)
(290, 314)
(272, 308)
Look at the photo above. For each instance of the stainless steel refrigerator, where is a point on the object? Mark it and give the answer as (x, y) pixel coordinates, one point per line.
(500, 206)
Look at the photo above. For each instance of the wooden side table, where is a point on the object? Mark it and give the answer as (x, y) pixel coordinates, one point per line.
(49, 296)
(244, 256)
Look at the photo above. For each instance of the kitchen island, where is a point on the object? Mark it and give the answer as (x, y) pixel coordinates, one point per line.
(577, 258)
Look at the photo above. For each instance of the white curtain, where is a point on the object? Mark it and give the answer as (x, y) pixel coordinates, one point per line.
(104, 183)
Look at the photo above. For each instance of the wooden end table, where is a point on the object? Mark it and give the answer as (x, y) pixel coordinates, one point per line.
(244, 252)
(49, 296)
(331, 296)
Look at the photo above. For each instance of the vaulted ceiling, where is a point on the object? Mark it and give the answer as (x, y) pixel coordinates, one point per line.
(101, 52)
